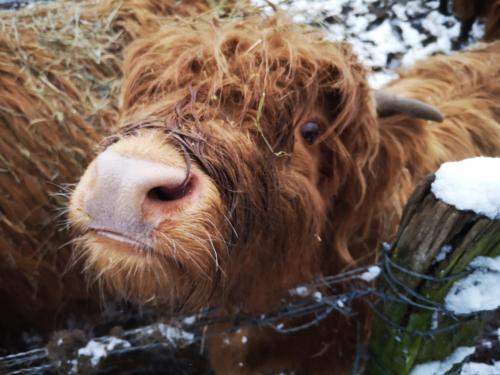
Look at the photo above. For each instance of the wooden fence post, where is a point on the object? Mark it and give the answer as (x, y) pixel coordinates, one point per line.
(405, 334)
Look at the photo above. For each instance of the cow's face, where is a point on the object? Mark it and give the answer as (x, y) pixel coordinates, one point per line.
(236, 140)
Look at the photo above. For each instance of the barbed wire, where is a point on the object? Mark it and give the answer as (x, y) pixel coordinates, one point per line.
(320, 306)
(308, 305)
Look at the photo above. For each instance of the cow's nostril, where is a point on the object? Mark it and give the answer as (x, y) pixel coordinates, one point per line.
(168, 194)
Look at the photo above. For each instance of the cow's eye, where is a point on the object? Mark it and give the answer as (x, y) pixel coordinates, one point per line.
(310, 131)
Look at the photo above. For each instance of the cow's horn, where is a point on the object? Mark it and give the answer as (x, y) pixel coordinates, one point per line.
(390, 104)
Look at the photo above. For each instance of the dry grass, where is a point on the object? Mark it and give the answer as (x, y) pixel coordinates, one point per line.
(59, 79)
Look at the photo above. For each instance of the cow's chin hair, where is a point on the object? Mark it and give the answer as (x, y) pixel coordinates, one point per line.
(180, 272)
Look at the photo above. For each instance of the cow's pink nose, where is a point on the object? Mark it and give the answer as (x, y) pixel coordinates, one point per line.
(131, 196)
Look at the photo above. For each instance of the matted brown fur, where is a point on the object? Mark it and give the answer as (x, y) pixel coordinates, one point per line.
(60, 69)
(467, 11)
(492, 22)
(234, 94)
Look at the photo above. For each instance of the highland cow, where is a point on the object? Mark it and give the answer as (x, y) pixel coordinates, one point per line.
(468, 12)
(58, 90)
(252, 156)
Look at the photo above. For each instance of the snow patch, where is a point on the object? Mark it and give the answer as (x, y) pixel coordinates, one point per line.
(478, 291)
(98, 350)
(474, 368)
(383, 36)
(470, 184)
(301, 291)
(487, 344)
(175, 335)
(189, 320)
(74, 366)
(443, 252)
(371, 274)
(379, 79)
(317, 296)
(304, 291)
(441, 367)
(435, 320)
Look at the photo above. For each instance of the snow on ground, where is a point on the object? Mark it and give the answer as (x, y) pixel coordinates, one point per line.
(478, 291)
(441, 367)
(470, 184)
(385, 34)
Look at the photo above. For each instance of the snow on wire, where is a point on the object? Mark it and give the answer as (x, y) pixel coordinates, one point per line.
(308, 303)
(310, 300)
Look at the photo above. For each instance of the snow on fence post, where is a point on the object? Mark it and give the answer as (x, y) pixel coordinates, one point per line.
(429, 266)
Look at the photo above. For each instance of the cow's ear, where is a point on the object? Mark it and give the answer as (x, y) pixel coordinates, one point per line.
(390, 105)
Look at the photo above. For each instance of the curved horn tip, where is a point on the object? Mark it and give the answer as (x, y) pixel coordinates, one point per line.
(389, 105)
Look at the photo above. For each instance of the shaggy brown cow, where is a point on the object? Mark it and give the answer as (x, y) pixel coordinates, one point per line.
(58, 91)
(250, 159)
(468, 11)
